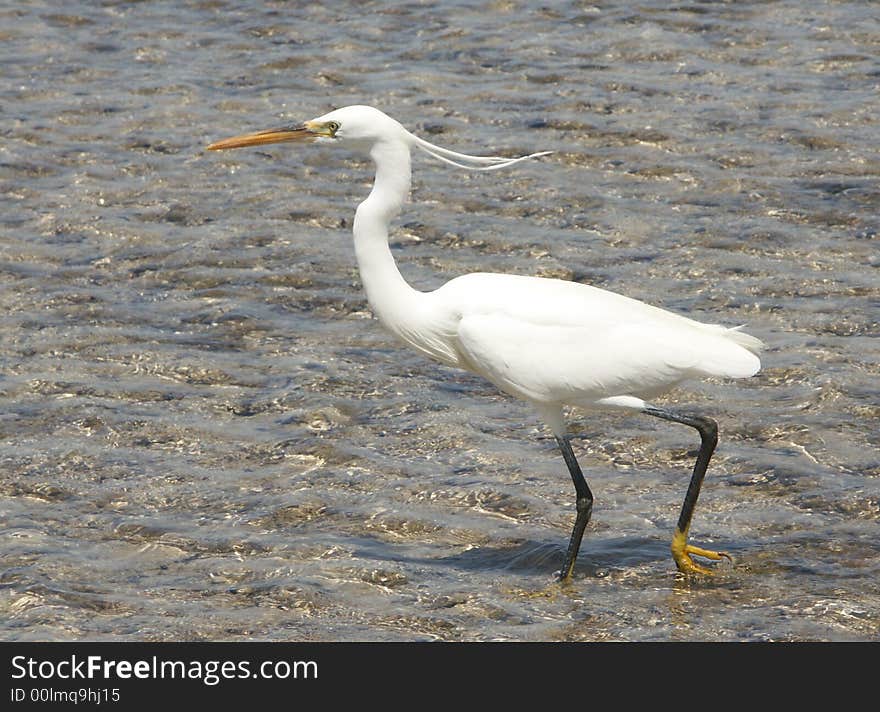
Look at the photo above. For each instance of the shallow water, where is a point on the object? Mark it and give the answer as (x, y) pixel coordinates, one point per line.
(204, 435)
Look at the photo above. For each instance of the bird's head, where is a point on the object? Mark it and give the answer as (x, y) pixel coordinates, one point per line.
(351, 124)
(364, 126)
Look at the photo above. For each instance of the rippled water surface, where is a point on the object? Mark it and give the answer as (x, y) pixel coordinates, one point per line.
(205, 435)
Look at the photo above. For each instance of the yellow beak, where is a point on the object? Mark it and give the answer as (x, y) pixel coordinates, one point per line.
(300, 134)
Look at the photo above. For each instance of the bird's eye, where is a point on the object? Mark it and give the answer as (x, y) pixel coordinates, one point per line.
(333, 127)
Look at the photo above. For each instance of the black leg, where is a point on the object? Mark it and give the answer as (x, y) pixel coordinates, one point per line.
(584, 507)
(681, 550)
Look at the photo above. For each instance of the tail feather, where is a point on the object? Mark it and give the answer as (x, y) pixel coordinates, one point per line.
(733, 355)
(740, 361)
(747, 341)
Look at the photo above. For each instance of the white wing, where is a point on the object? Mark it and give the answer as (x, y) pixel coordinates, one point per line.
(550, 340)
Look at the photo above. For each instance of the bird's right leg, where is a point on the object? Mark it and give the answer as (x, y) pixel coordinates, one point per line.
(584, 506)
(681, 550)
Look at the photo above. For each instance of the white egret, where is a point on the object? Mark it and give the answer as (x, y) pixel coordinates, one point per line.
(550, 342)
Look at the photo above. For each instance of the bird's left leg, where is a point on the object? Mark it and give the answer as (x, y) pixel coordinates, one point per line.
(681, 550)
(584, 506)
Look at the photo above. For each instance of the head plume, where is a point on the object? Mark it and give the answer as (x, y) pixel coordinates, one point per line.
(470, 163)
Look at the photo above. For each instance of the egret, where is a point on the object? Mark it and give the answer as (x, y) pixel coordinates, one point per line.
(550, 342)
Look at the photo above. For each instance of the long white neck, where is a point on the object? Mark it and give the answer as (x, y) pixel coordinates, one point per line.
(390, 297)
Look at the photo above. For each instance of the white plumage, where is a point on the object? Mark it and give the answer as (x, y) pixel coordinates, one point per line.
(558, 343)
(550, 342)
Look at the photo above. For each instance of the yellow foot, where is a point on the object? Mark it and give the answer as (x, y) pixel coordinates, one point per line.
(682, 551)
